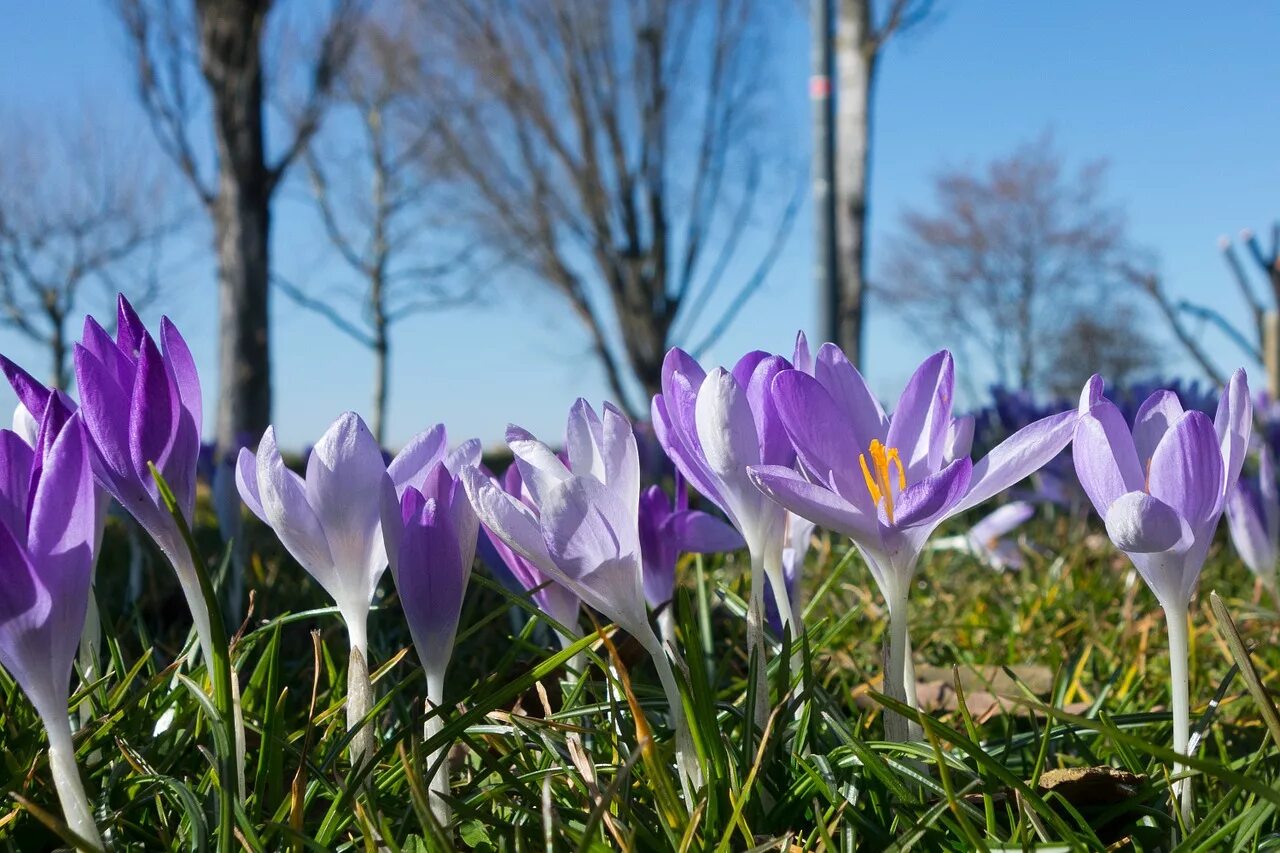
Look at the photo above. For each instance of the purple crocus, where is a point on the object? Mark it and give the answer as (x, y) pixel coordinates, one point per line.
(141, 404)
(430, 533)
(714, 426)
(1161, 488)
(887, 483)
(331, 523)
(582, 530)
(668, 531)
(987, 540)
(552, 597)
(1253, 518)
(47, 531)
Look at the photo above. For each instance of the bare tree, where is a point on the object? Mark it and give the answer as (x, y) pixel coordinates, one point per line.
(374, 200)
(1260, 342)
(614, 151)
(1113, 342)
(82, 217)
(862, 31)
(220, 43)
(1008, 257)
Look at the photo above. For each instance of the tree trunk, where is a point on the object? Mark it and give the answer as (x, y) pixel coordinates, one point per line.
(855, 68)
(58, 353)
(242, 225)
(381, 367)
(231, 60)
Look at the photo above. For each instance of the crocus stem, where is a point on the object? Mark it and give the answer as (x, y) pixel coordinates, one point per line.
(755, 640)
(1179, 654)
(438, 784)
(667, 624)
(90, 641)
(686, 755)
(897, 669)
(66, 779)
(359, 701)
(782, 600)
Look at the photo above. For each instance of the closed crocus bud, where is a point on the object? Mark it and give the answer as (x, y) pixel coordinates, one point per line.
(47, 532)
(1161, 487)
(141, 405)
(430, 538)
(1253, 518)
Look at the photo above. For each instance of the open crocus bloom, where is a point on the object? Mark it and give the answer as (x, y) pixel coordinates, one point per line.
(582, 530)
(887, 483)
(1161, 488)
(1253, 517)
(47, 532)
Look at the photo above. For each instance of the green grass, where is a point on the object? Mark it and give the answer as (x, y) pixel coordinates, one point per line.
(539, 764)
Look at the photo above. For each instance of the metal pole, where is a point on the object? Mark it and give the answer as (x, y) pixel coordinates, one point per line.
(826, 270)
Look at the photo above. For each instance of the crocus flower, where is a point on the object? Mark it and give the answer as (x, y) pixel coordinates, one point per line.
(47, 530)
(34, 397)
(141, 404)
(1253, 518)
(552, 597)
(986, 541)
(666, 532)
(331, 523)
(1161, 488)
(714, 426)
(887, 483)
(584, 531)
(430, 533)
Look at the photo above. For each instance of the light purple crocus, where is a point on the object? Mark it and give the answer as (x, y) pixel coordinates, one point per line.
(887, 483)
(553, 598)
(430, 533)
(987, 541)
(583, 531)
(47, 532)
(330, 522)
(668, 531)
(1161, 488)
(1253, 518)
(714, 426)
(141, 404)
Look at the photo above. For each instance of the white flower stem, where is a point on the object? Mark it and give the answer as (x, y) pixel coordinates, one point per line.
(755, 639)
(359, 701)
(667, 624)
(898, 675)
(782, 600)
(90, 643)
(438, 784)
(686, 755)
(1179, 658)
(66, 780)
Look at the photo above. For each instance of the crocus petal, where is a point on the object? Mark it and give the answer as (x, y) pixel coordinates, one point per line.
(584, 440)
(702, 533)
(129, 328)
(506, 517)
(1018, 456)
(153, 413)
(540, 468)
(745, 366)
(32, 395)
(25, 605)
(850, 393)
(825, 441)
(283, 496)
(927, 501)
(1269, 493)
(1233, 423)
(820, 505)
(1248, 531)
(344, 488)
(959, 439)
(919, 424)
(1104, 456)
(775, 447)
(1002, 521)
(1091, 394)
(726, 428)
(25, 424)
(247, 483)
(105, 404)
(178, 355)
(674, 443)
(1156, 414)
(431, 578)
(1186, 469)
(410, 465)
(621, 459)
(1142, 524)
(467, 453)
(802, 358)
(17, 458)
(585, 527)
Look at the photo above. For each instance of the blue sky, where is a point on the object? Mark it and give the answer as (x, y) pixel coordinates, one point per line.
(1180, 97)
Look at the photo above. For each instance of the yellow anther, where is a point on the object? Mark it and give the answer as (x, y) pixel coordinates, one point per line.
(877, 474)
